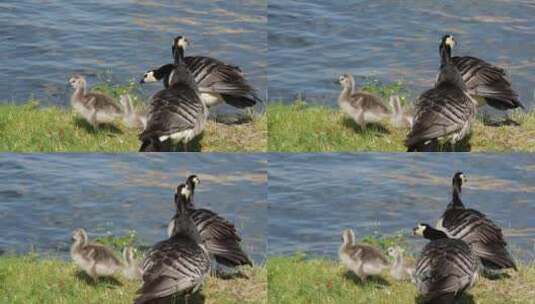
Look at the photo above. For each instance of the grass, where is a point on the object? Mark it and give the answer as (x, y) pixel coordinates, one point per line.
(32, 128)
(301, 279)
(302, 127)
(297, 279)
(30, 278)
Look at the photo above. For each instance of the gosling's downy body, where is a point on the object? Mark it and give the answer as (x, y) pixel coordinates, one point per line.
(96, 108)
(132, 118)
(131, 269)
(361, 106)
(446, 267)
(176, 266)
(400, 117)
(361, 259)
(400, 269)
(219, 235)
(95, 259)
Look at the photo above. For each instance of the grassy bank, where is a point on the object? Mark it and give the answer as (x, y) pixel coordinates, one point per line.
(300, 127)
(30, 279)
(297, 280)
(32, 128)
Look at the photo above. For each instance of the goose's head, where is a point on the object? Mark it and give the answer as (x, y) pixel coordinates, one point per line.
(149, 76)
(192, 181)
(458, 179)
(420, 229)
(449, 41)
(79, 235)
(77, 81)
(346, 80)
(181, 42)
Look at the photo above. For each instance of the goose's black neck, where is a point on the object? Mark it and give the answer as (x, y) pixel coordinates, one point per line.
(178, 54)
(432, 234)
(456, 195)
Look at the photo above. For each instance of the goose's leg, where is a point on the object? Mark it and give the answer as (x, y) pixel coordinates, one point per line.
(360, 120)
(93, 272)
(93, 119)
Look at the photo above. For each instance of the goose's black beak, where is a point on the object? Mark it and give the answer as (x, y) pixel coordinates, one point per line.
(142, 81)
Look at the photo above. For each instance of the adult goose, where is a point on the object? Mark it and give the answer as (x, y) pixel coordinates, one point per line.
(489, 83)
(179, 265)
(218, 234)
(445, 268)
(443, 113)
(476, 229)
(218, 82)
(96, 108)
(176, 114)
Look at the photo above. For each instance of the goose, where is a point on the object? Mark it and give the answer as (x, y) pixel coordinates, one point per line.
(400, 118)
(95, 259)
(132, 118)
(361, 106)
(476, 229)
(96, 108)
(176, 114)
(218, 82)
(444, 112)
(489, 83)
(218, 234)
(179, 265)
(131, 269)
(445, 268)
(363, 260)
(400, 270)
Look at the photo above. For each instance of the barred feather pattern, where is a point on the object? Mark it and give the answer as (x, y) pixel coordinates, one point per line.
(175, 266)
(220, 237)
(442, 112)
(484, 236)
(174, 110)
(445, 267)
(490, 82)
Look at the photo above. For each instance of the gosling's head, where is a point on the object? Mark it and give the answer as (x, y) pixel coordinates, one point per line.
(449, 41)
(395, 251)
(128, 254)
(346, 80)
(458, 179)
(79, 235)
(348, 237)
(77, 81)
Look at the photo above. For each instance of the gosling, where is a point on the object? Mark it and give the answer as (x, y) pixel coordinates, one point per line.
(362, 107)
(132, 119)
(131, 269)
(400, 270)
(361, 259)
(400, 117)
(95, 259)
(96, 108)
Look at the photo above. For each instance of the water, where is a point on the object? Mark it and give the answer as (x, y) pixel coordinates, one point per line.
(313, 197)
(43, 197)
(43, 43)
(312, 42)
